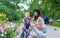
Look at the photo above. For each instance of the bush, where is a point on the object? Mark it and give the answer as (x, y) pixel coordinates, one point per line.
(57, 24)
(10, 33)
(7, 30)
(2, 17)
(11, 14)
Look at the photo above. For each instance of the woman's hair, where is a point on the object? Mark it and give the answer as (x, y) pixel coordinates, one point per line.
(38, 13)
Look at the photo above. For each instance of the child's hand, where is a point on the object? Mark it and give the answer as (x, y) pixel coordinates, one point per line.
(33, 26)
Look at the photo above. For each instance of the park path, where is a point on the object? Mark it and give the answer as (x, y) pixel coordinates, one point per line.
(52, 32)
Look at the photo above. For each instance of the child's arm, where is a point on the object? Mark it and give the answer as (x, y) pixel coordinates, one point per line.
(31, 19)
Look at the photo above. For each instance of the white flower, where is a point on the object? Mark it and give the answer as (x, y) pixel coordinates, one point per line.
(12, 26)
(5, 33)
(2, 35)
(8, 26)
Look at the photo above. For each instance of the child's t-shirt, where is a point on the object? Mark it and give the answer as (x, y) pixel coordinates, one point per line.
(27, 22)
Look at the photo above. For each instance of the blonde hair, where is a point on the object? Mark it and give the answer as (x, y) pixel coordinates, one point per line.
(27, 14)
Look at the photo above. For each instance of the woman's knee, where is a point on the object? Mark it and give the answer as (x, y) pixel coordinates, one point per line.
(30, 28)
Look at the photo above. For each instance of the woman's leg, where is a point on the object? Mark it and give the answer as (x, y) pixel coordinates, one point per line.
(39, 33)
(34, 37)
(33, 34)
(30, 28)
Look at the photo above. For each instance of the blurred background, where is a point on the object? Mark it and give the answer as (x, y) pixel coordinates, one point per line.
(12, 11)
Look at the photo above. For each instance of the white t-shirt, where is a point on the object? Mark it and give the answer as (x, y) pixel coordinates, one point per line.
(43, 24)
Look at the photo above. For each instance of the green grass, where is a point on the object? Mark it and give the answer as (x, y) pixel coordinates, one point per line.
(57, 24)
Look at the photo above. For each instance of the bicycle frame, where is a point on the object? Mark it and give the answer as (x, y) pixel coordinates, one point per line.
(24, 33)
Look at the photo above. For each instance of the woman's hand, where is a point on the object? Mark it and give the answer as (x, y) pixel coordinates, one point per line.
(33, 24)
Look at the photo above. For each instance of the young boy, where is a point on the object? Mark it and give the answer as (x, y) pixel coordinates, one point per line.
(27, 19)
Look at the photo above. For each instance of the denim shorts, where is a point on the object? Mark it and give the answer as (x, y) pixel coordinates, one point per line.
(38, 33)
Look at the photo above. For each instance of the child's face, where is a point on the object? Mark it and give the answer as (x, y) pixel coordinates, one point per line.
(27, 15)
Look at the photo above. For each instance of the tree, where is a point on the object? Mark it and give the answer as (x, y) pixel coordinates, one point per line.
(50, 8)
(10, 9)
(32, 6)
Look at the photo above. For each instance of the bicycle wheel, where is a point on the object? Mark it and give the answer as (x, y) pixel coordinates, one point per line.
(22, 35)
(25, 35)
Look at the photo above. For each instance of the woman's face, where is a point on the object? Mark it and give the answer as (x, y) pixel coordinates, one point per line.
(35, 13)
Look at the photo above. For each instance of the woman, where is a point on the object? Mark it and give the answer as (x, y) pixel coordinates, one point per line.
(39, 30)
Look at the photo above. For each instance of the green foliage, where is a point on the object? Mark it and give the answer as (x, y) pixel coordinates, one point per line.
(11, 13)
(10, 9)
(2, 17)
(32, 6)
(10, 33)
(56, 24)
(49, 8)
(18, 22)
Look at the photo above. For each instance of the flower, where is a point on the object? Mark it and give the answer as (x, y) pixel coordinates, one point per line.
(7, 29)
(5, 33)
(2, 35)
(7, 18)
(8, 26)
(2, 14)
(1, 29)
(17, 33)
(0, 25)
(12, 25)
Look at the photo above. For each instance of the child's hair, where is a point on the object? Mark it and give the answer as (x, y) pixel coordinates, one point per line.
(27, 13)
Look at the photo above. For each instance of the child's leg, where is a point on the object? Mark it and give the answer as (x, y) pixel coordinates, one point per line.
(23, 28)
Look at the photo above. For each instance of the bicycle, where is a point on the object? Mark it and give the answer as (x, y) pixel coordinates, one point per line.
(24, 33)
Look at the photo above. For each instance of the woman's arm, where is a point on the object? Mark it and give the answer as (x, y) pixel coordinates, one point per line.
(39, 25)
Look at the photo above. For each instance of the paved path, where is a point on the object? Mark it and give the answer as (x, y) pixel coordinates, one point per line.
(51, 33)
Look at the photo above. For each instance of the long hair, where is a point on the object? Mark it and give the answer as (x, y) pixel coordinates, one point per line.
(38, 13)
